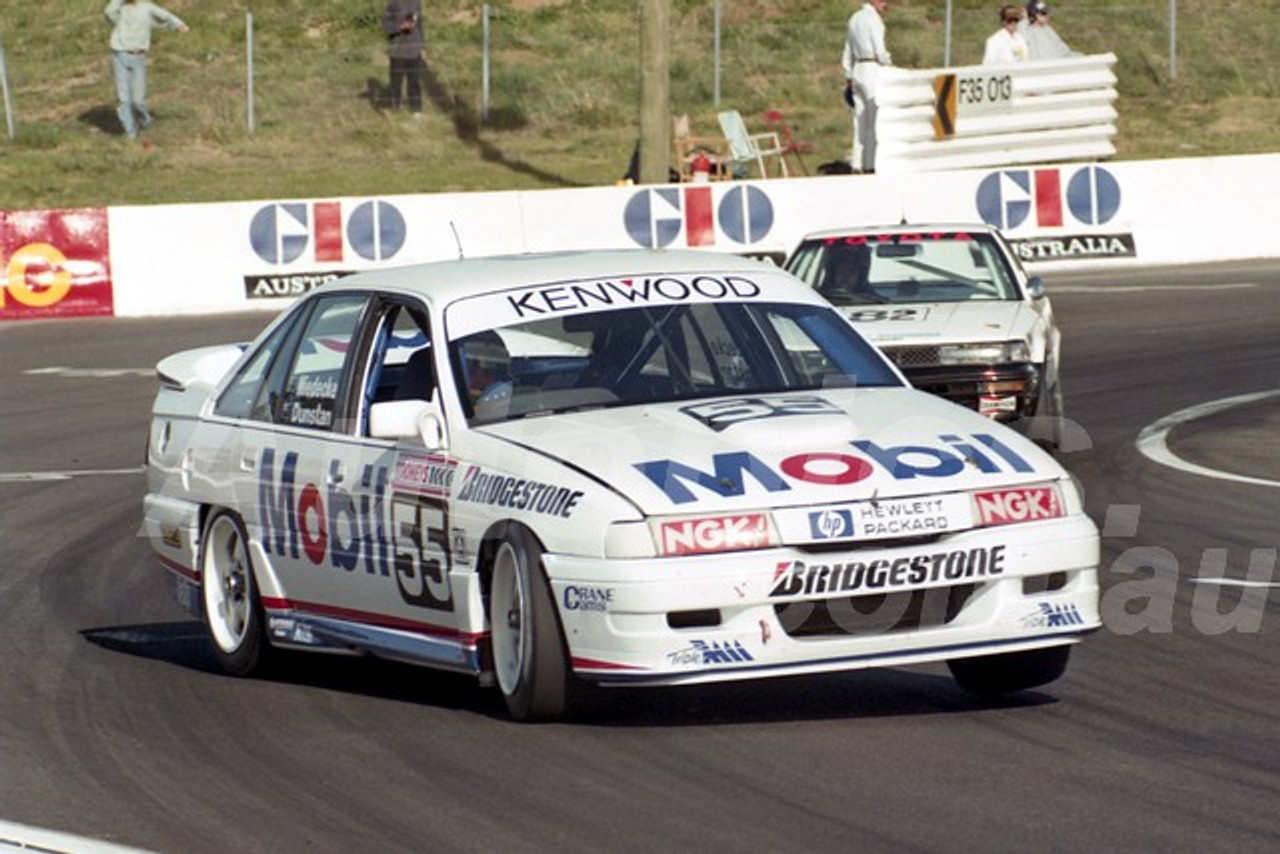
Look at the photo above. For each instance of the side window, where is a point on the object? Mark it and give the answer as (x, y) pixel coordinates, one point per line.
(401, 361)
(237, 400)
(310, 389)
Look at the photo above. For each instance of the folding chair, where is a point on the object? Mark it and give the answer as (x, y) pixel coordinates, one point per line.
(746, 147)
(689, 148)
(790, 145)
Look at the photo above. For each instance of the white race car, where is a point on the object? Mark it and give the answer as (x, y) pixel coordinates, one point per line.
(646, 468)
(953, 307)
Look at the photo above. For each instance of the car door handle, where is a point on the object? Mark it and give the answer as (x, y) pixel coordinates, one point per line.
(337, 473)
(248, 461)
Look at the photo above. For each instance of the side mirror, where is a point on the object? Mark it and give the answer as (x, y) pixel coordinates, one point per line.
(408, 419)
(1035, 288)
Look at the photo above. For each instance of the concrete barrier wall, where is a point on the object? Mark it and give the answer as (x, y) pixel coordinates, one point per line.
(181, 259)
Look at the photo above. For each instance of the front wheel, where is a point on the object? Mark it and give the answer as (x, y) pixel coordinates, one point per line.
(529, 656)
(1008, 672)
(232, 612)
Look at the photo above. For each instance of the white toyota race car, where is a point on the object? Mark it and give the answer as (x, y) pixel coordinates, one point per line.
(621, 468)
(952, 306)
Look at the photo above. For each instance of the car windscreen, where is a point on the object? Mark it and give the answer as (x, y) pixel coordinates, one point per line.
(951, 266)
(645, 355)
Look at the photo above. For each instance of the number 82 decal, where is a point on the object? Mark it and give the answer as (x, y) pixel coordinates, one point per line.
(871, 315)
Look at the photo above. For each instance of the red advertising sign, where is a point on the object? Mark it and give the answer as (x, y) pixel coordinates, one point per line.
(54, 264)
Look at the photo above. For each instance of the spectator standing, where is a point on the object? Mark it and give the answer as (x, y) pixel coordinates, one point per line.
(402, 22)
(864, 56)
(1043, 41)
(1006, 45)
(131, 24)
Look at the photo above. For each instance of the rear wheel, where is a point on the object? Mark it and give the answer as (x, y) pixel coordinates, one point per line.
(232, 612)
(1011, 671)
(529, 657)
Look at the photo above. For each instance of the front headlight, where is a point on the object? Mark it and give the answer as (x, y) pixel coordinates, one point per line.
(984, 353)
(624, 540)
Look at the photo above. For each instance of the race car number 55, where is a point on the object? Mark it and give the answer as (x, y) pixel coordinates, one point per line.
(422, 557)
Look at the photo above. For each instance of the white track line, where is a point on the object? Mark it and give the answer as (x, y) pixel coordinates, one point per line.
(46, 476)
(35, 840)
(95, 373)
(1152, 441)
(1234, 582)
(1127, 289)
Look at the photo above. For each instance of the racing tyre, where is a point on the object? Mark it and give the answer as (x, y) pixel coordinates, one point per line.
(530, 661)
(1051, 410)
(1008, 672)
(232, 612)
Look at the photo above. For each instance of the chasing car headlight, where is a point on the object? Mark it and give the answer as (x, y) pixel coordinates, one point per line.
(984, 353)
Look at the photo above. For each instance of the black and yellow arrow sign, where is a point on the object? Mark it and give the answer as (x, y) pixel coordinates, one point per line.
(944, 106)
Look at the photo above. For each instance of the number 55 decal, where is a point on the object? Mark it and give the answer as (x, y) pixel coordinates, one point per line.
(419, 527)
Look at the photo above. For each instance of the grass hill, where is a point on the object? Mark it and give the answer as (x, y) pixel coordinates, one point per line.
(563, 90)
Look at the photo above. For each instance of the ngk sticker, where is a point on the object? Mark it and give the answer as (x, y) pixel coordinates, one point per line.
(714, 534)
(1025, 504)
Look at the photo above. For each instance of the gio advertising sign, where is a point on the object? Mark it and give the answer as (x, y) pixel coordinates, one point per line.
(657, 218)
(310, 243)
(55, 264)
(1045, 204)
(1057, 198)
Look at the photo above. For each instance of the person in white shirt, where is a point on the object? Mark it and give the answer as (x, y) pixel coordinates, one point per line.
(1006, 46)
(1043, 41)
(864, 56)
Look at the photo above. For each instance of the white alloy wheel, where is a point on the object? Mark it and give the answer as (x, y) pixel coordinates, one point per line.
(231, 611)
(508, 604)
(530, 660)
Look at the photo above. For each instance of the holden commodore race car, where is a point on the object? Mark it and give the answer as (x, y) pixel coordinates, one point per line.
(952, 306)
(612, 468)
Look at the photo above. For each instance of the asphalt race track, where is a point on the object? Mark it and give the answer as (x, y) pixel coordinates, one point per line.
(1163, 736)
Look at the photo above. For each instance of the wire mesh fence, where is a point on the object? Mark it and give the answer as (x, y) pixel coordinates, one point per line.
(562, 76)
(734, 49)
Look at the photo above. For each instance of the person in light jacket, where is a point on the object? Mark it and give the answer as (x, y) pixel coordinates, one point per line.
(131, 24)
(1043, 41)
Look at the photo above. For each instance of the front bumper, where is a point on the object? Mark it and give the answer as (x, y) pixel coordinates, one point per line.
(1003, 392)
(784, 611)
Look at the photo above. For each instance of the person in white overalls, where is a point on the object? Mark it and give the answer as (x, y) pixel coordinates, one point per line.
(865, 55)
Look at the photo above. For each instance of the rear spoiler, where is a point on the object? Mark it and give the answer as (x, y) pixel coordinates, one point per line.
(205, 365)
